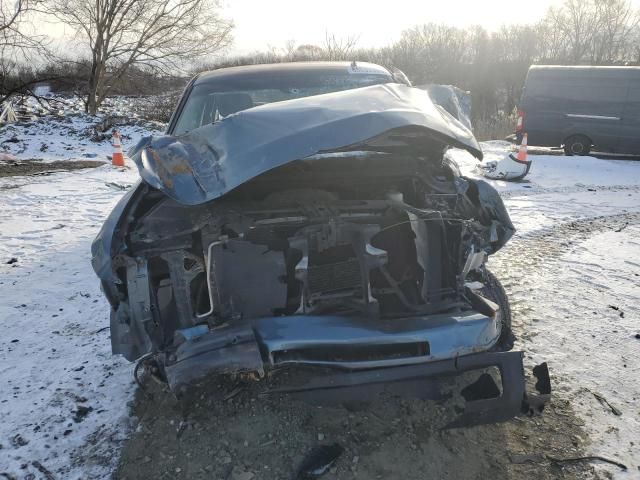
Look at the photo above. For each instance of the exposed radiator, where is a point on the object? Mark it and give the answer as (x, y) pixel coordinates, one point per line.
(334, 277)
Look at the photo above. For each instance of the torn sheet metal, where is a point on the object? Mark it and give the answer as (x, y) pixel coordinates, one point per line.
(453, 99)
(225, 350)
(101, 254)
(494, 213)
(210, 161)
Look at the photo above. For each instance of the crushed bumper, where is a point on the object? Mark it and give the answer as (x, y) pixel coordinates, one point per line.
(255, 348)
(334, 342)
(484, 402)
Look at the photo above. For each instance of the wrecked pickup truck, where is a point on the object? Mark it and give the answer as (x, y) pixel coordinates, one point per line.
(303, 217)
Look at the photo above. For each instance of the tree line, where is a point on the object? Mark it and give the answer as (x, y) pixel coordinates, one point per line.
(133, 45)
(114, 42)
(491, 65)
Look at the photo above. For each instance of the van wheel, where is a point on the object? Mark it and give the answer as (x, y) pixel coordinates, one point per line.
(577, 145)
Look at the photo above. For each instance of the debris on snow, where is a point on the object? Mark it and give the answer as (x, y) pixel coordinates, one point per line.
(589, 458)
(606, 404)
(70, 134)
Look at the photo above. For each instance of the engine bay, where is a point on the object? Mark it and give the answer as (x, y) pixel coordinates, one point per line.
(392, 236)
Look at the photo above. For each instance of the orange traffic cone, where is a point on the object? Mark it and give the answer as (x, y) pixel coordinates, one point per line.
(117, 160)
(522, 153)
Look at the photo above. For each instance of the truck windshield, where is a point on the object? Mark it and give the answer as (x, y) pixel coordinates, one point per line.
(211, 101)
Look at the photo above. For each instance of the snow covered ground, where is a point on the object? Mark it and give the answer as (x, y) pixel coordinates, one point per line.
(66, 138)
(64, 397)
(63, 404)
(585, 322)
(586, 325)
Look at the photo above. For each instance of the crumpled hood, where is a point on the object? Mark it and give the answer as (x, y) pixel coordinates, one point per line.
(210, 161)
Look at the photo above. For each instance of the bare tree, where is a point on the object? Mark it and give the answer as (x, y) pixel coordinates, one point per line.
(16, 38)
(513, 50)
(591, 31)
(634, 45)
(578, 23)
(432, 52)
(308, 52)
(551, 42)
(618, 20)
(289, 50)
(339, 48)
(153, 34)
(19, 46)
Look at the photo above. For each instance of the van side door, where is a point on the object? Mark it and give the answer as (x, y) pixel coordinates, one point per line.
(630, 124)
(594, 106)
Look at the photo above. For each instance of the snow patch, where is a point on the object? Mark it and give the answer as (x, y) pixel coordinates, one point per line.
(68, 132)
(586, 322)
(64, 397)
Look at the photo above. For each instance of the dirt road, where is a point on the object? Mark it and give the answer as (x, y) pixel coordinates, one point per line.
(34, 167)
(231, 433)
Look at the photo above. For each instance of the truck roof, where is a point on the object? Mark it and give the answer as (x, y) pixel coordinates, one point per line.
(291, 68)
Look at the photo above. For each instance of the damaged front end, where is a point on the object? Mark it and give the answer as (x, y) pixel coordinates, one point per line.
(314, 235)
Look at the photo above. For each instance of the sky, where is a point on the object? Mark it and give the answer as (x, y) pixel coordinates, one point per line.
(265, 24)
(262, 24)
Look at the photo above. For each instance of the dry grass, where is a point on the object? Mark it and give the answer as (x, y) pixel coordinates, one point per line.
(158, 108)
(497, 127)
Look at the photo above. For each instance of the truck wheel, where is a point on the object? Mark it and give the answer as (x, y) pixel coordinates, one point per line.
(577, 145)
(494, 291)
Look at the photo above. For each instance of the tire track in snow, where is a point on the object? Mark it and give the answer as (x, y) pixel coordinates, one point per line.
(562, 314)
